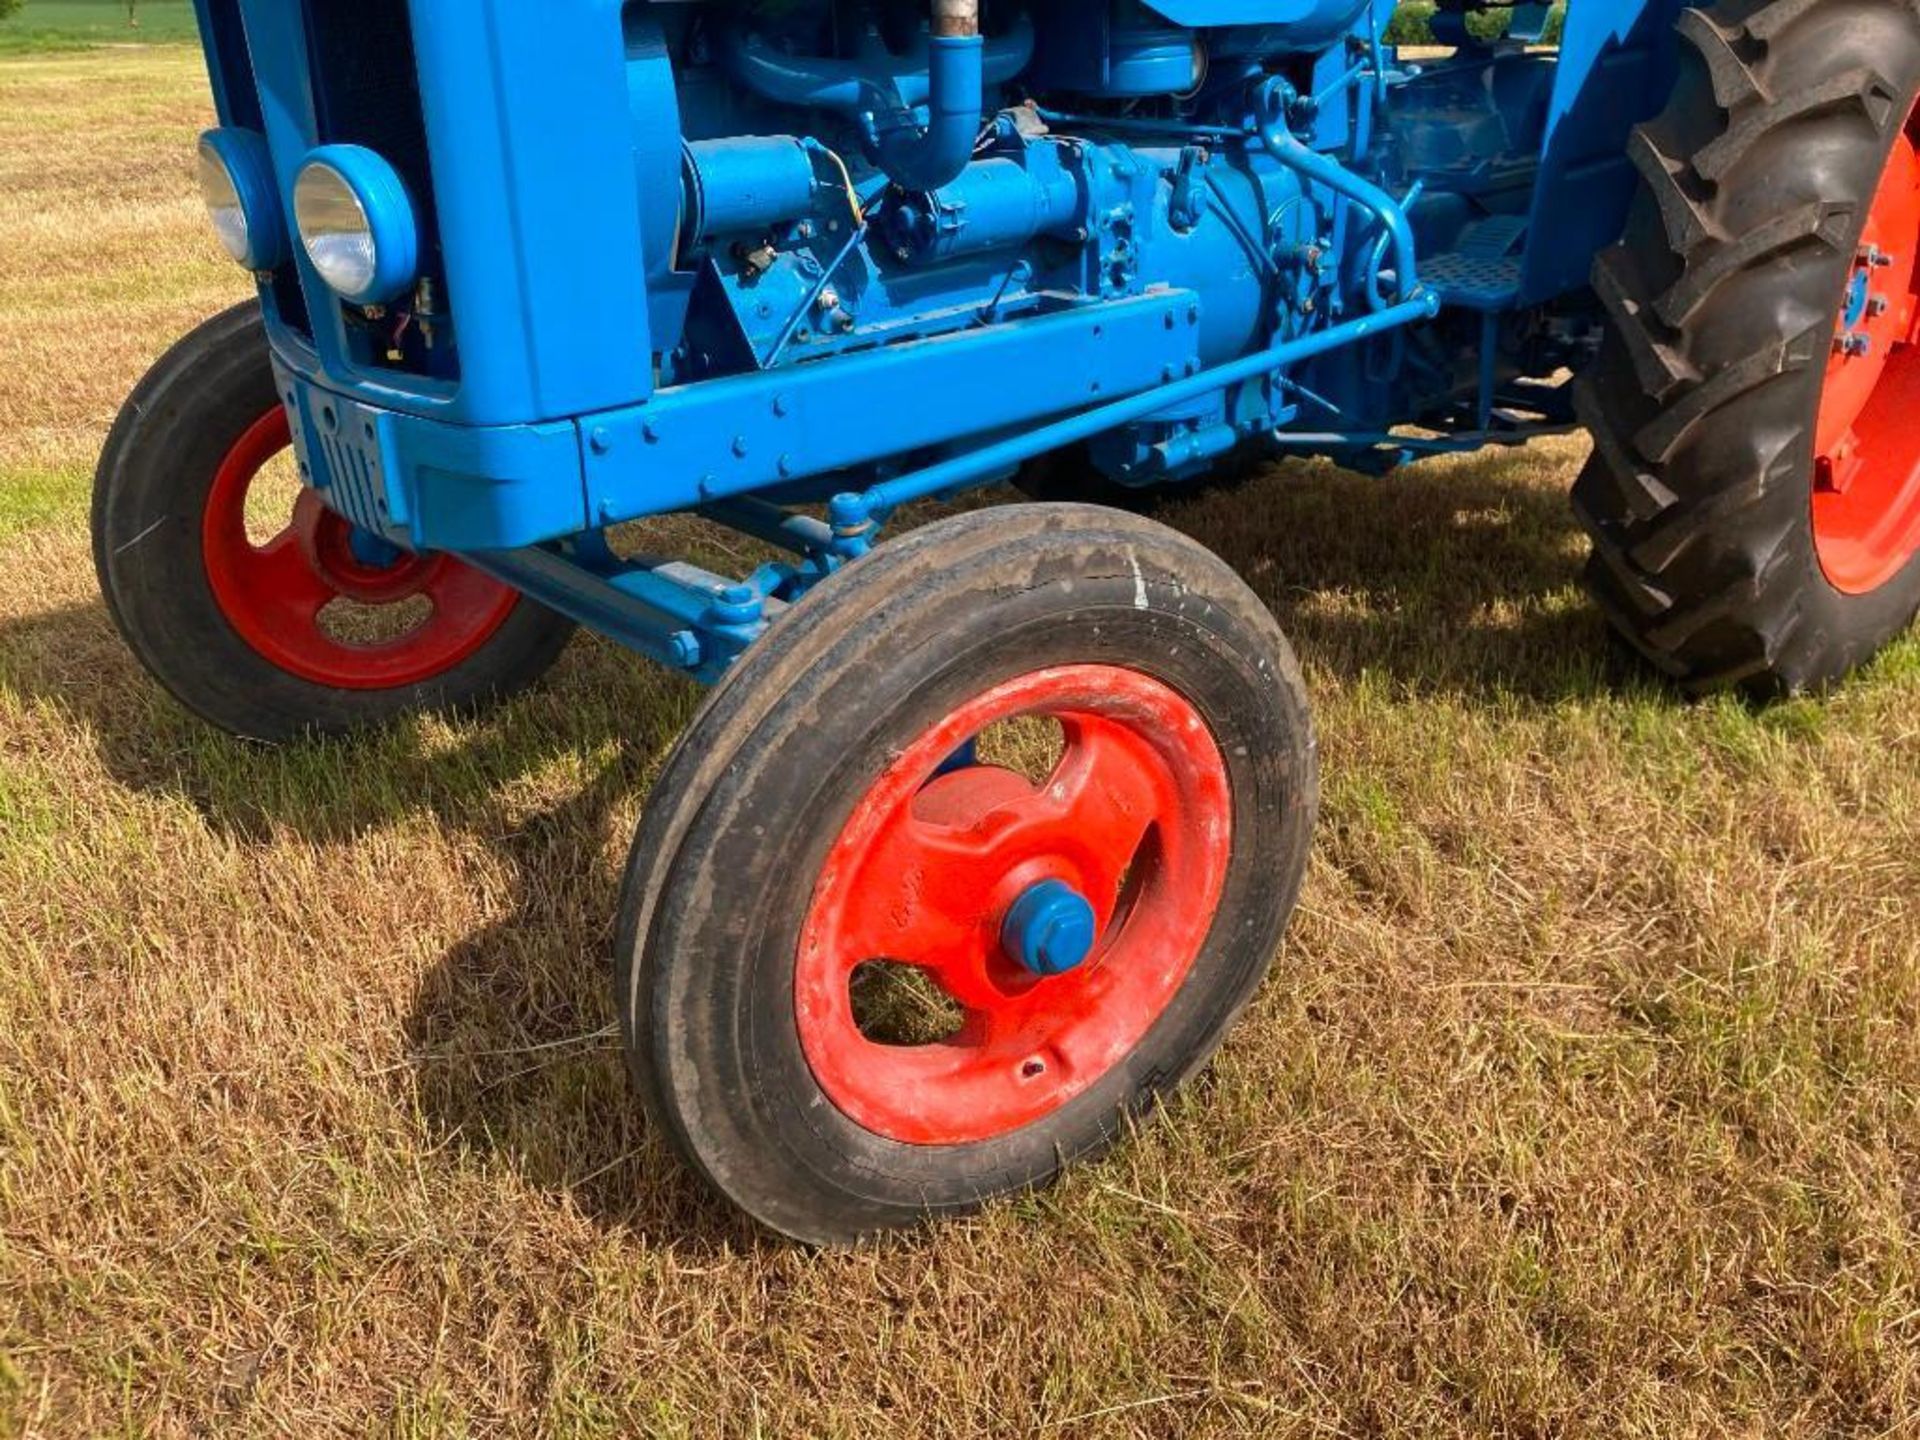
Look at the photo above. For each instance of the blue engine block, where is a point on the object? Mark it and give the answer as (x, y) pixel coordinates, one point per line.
(740, 258)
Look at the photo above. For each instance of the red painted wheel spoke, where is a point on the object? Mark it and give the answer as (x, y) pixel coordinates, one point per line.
(284, 583)
(1106, 788)
(968, 979)
(984, 882)
(922, 902)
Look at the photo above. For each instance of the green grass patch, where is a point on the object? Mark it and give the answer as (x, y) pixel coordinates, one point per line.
(33, 498)
(42, 25)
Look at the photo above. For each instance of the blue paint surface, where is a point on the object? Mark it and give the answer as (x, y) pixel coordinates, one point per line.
(678, 257)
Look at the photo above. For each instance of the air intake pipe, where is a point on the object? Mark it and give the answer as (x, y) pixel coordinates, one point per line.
(916, 159)
(880, 91)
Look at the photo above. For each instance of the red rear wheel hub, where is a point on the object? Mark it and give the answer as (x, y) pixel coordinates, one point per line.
(273, 594)
(1866, 499)
(1136, 818)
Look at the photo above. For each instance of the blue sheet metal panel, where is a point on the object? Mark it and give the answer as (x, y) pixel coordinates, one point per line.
(1618, 61)
(276, 42)
(456, 487)
(225, 46)
(727, 437)
(654, 130)
(471, 484)
(432, 485)
(529, 120)
(528, 113)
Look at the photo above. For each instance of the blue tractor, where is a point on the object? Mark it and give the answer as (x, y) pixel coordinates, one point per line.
(528, 272)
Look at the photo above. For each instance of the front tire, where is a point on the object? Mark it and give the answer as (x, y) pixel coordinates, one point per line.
(1754, 493)
(236, 628)
(1092, 928)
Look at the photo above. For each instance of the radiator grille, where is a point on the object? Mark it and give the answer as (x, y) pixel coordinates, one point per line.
(358, 488)
(366, 91)
(365, 87)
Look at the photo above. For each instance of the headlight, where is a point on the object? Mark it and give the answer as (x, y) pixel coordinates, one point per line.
(356, 223)
(236, 181)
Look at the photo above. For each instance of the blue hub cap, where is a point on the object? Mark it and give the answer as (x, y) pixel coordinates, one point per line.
(1050, 929)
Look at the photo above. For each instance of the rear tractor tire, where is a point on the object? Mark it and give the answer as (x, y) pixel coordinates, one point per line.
(1754, 492)
(872, 970)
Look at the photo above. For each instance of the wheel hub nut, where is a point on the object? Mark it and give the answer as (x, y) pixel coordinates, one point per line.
(1050, 929)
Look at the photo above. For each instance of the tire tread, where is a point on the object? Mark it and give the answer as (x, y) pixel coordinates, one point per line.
(1701, 404)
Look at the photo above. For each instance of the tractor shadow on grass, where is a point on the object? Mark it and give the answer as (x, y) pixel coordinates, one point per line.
(514, 1044)
(1446, 580)
(511, 1060)
(1455, 578)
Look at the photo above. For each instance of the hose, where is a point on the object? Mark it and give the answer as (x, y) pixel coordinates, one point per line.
(1323, 170)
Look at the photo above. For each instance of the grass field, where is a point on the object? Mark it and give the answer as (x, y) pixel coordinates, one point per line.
(1585, 1098)
(45, 25)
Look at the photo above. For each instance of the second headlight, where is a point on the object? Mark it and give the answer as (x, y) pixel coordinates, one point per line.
(356, 224)
(236, 181)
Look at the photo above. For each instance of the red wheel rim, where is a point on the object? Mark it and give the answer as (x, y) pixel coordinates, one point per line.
(1136, 816)
(273, 594)
(1866, 496)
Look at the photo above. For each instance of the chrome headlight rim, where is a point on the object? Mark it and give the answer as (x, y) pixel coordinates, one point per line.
(241, 159)
(333, 177)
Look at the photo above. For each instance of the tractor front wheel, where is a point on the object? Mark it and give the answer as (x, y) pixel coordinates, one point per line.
(1754, 493)
(260, 609)
(979, 850)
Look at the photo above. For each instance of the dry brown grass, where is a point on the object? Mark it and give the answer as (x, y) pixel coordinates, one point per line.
(1583, 1100)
